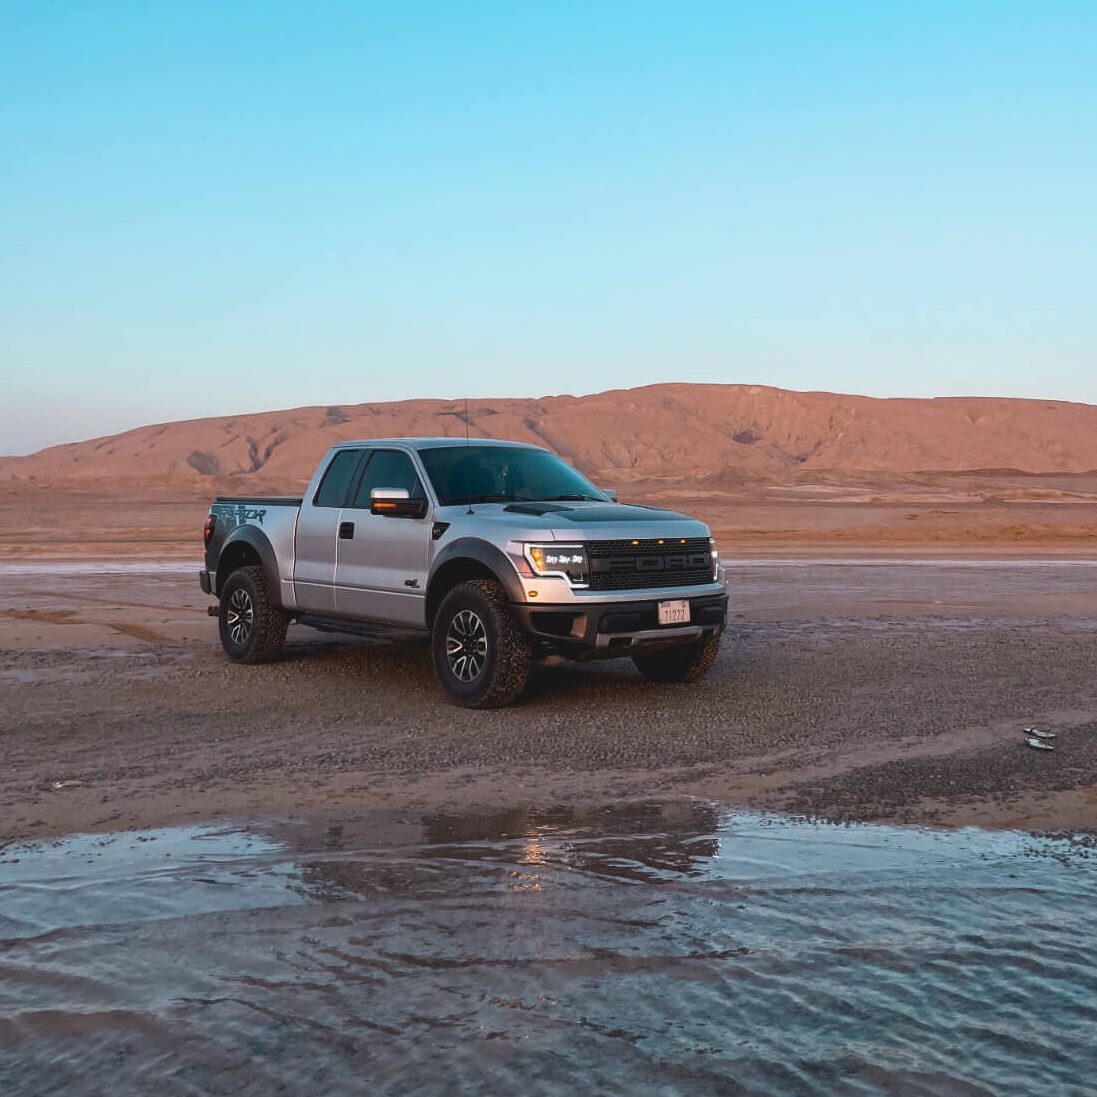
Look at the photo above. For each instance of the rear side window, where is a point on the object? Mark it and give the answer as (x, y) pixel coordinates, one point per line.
(336, 483)
(388, 468)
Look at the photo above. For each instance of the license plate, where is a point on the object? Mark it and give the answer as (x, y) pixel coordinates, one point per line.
(674, 613)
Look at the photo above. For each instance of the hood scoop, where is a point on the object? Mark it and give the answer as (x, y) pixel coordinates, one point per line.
(612, 512)
(538, 509)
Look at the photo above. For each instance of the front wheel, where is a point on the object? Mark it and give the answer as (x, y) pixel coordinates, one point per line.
(252, 628)
(681, 664)
(481, 657)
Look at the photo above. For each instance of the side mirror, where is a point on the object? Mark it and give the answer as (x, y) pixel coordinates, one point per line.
(395, 503)
(610, 493)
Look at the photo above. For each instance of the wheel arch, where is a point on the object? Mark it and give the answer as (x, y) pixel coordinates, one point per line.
(247, 546)
(464, 560)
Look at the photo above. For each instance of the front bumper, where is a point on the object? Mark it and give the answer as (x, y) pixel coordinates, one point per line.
(603, 630)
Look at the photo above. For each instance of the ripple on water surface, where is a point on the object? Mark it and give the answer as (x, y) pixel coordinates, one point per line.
(674, 948)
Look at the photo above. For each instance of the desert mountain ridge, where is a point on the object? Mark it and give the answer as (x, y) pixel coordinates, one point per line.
(710, 436)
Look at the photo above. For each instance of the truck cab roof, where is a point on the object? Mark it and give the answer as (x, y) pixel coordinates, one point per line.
(433, 443)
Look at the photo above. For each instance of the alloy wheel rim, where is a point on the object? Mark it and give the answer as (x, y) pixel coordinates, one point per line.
(240, 618)
(466, 645)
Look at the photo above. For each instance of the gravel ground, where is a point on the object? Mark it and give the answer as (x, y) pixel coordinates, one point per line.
(861, 690)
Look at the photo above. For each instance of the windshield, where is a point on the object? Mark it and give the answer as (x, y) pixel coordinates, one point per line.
(499, 474)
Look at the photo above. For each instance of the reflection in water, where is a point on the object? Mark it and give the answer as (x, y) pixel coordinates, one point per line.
(660, 948)
(639, 841)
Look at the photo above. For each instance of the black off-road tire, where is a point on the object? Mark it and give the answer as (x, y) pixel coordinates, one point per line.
(681, 664)
(252, 628)
(481, 656)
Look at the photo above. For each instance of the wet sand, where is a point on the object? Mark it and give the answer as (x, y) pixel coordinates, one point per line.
(853, 688)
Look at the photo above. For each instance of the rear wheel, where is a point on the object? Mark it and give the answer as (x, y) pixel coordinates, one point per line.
(252, 628)
(481, 657)
(681, 664)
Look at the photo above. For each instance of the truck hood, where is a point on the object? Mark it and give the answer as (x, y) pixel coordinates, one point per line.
(578, 521)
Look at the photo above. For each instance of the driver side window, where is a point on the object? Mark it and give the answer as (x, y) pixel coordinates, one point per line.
(388, 468)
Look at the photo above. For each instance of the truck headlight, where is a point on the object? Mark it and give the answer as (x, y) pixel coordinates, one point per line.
(566, 561)
(715, 558)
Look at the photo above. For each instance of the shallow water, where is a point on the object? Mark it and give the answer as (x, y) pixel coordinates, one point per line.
(655, 949)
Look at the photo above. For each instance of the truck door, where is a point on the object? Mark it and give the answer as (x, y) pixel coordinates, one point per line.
(318, 533)
(381, 564)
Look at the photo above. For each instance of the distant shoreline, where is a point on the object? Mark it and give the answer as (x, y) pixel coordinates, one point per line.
(55, 523)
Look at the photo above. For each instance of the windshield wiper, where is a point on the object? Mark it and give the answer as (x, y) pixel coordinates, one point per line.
(496, 497)
(572, 498)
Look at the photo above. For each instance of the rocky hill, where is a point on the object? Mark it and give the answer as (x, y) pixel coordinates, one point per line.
(712, 436)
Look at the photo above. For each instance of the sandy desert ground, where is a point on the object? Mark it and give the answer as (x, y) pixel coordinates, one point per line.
(859, 679)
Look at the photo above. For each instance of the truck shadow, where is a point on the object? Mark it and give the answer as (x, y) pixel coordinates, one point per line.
(403, 658)
(578, 679)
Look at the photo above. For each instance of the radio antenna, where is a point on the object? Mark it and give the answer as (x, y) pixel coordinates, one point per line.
(470, 510)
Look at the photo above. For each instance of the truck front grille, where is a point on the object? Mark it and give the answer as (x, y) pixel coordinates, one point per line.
(649, 563)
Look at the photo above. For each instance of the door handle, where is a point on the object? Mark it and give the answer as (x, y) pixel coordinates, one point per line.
(346, 531)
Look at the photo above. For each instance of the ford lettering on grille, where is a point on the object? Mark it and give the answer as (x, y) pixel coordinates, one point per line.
(649, 564)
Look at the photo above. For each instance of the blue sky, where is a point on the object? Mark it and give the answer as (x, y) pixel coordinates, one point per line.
(211, 208)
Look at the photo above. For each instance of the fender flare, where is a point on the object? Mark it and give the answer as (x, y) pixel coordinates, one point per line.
(257, 540)
(480, 552)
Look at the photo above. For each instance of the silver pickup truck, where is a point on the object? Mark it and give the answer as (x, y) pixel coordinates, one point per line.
(503, 552)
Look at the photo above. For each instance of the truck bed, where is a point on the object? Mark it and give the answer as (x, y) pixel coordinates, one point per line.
(264, 500)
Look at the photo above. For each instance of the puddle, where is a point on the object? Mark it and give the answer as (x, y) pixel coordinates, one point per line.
(649, 949)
